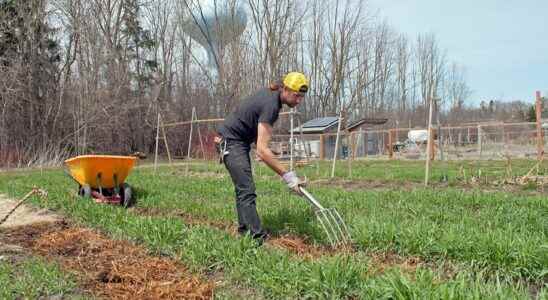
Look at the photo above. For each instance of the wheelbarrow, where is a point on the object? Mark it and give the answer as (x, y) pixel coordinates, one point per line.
(101, 177)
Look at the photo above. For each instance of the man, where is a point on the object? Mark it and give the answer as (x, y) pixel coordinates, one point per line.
(251, 123)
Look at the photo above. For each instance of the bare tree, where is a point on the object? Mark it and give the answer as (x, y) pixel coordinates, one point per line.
(431, 65)
(29, 55)
(95, 82)
(343, 25)
(457, 90)
(402, 72)
(275, 24)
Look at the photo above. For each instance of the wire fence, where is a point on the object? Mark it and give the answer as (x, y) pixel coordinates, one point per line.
(478, 141)
(473, 142)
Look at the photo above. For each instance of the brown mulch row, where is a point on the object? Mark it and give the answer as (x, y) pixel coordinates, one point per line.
(113, 269)
(372, 184)
(117, 269)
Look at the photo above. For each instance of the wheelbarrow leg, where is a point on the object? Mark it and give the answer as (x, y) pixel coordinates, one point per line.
(99, 183)
(85, 191)
(116, 186)
(127, 194)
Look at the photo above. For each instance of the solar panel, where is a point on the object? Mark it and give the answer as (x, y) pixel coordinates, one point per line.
(320, 122)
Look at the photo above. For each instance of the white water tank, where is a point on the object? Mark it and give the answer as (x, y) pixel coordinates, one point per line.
(214, 24)
(418, 136)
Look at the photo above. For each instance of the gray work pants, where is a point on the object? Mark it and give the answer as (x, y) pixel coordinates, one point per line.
(238, 164)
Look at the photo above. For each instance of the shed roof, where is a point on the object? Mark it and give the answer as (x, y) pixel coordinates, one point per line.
(317, 125)
(321, 125)
(369, 121)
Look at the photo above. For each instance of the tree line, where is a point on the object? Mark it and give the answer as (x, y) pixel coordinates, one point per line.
(91, 76)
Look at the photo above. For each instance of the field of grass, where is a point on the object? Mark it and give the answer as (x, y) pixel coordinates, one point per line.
(456, 241)
(34, 278)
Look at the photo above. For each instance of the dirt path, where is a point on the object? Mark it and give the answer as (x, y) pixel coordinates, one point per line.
(24, 214)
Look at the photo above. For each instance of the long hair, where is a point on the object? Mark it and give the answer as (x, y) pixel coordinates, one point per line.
(276, 86)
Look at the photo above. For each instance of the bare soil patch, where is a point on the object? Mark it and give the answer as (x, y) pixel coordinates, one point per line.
(386, 260)
(303, 248)
(24, 214)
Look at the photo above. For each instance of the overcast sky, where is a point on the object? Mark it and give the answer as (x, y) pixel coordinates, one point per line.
(503, 44)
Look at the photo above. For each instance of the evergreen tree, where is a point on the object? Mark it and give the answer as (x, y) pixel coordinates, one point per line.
(31, 56)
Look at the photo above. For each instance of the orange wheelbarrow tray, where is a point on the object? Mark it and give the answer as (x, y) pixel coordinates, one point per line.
(101, 177)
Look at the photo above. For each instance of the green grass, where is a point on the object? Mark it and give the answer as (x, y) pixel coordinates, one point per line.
(33, 279)
(495, 243)
(397, 170)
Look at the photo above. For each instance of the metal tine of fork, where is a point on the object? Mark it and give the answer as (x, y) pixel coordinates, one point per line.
(341, 225)
(337, 231)
(330, 220)
(327, 226)
(342, 232)
(337, 227)
(332, 227)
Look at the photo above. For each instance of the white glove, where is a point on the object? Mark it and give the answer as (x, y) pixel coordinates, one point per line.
(291, 179)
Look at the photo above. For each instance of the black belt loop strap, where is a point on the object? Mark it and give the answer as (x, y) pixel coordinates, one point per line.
(222, 150)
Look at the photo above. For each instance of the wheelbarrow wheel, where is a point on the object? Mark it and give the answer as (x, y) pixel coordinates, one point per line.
(85, 191)
(127, 194)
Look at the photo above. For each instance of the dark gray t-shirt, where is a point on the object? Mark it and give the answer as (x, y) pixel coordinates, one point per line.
(262, 107)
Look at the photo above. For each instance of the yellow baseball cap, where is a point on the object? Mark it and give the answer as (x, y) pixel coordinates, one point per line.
(296, 81)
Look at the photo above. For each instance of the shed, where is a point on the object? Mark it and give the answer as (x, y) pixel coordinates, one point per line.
(319, 138)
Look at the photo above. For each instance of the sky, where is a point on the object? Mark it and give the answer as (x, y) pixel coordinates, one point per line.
(503, 44)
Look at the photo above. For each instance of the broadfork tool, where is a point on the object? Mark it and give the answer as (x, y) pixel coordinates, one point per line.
(330, 220)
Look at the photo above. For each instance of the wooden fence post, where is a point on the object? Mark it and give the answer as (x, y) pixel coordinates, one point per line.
(428, 146)
(354, 144)
(190, 135)
(390, 143)
(431, 143)
(336, 152)
(165, 140)
(480, 144)
(365, 142)
(291, 145)
(156, 146)
(540, 136)
(322, 146)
